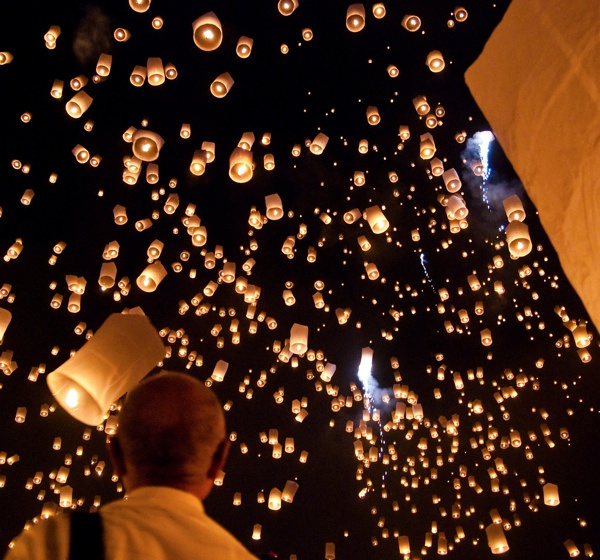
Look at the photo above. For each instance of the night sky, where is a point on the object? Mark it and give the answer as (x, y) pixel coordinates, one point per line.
(426, 478)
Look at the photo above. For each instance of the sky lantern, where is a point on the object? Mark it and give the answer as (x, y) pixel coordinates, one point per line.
(318, 144)
(287, 7)
(241, 166)
(124, 349)
(244, 47)
(155, 71)
(379, 10)
(146, 145)
(411, 22)
(208, 32)
(151, 277)
(221, 85)
(5, 58)
(376, 219)
(514, 208)
(496, 538)
(426, 146)
(104, 64)
(517, 237)
(121, 34)
(435, 61)
(551, 497)
(78, 104)
(138, 75)
(373, 117)
(460, 14)
(139, 6)
(355, 18)
(298, 339)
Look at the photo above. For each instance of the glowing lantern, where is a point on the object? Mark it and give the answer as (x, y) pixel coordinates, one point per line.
(420, 104)
(108, 273)
(274, 207)
(379, 10)
(496, 539)
(393, 71)
(146, 145)
(103, 65)
(355, 17)
(329, 551)
(269, 162)
(170, 71)
(5, 58)
(427, 146)
(486, 337)
(437, 167)
(287, 7)
(198, 164)
(151, 277)
(460, 14)
(514, 208)
(139, 6)
(404, 545)
(152, 173)
(81, 154)
(121, 34)
(551, 497)
(78, 104)
(274, 502)
(372, 271)
(240, 165)
(122, 351)
(208, 32)
(219, 371)
(376, 220)
(571, 548)
(517, 237)
(138, 75)
(244, 47)
(373, 116)
(451, 180)
(456, 208)
(359, 178)
(120, 215)
(435, 61)
(299, 339)
(156, 71)
(5, 317)
(289, 491)
(221, 85)
(318, 144)
(411, 23)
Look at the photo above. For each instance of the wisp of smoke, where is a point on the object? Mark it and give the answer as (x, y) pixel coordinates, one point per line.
(92, 37)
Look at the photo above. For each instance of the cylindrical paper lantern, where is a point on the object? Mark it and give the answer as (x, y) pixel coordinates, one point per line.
(122, 351)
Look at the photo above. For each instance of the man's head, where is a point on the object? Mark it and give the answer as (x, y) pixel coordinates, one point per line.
(171, 433)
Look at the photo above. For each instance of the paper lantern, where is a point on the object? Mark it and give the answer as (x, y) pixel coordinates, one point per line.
(5, 58)
(122, 351)
(289, 491)
(426, 146)
(5, 318)
(404, 545)
(104, 64)
(198, 165)
(146, 145)
(517, 237)
(411, 22)
(373, 116)
(170, 71)
(121, 34)
(318, 144)
(151, 277)
(156, 71)
(287, 7)
(274, 502)
(139, 6)
(514, 208)
(551, 497)
(299, 339)
(456, 208)
(78, 104)
(420, 104)
(219, 371)
(244, 47)
(379, 10)
(496, 539)
(376, 219)
(274, 207)
(240, 165)
(329, 551)
(208, 32)
(435, 61)
(138, 75)
(460, 14)
(393, 71)
(355, 18)
(108, 274)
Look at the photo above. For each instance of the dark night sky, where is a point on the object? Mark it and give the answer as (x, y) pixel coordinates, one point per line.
(323, 85)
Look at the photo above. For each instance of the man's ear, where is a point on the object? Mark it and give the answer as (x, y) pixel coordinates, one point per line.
(218, 459)
(115, 452)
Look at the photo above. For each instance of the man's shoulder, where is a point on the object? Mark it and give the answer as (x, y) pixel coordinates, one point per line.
(47, 538)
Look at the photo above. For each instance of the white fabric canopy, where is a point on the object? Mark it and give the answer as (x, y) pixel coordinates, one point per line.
(537, 82)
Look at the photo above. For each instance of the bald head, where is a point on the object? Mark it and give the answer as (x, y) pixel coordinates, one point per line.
(171, 427)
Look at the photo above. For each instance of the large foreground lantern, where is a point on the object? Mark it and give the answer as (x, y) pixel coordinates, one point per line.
(123, 350)
(208, 32)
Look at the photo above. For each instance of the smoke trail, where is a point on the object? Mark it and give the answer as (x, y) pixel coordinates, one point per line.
(93, 36)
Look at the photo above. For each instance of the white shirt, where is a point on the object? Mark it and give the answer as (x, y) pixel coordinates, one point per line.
(152, 523)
